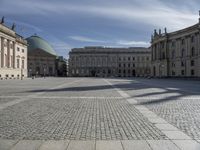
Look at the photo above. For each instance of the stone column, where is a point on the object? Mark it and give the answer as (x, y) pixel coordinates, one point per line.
(8, 54)
(14, 55)
(2, 52)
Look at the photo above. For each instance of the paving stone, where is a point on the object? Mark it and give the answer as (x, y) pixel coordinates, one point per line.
(135, 145)
(162, 145)
(76, 119)
(176, 135)
(108, 145)
(166, 127)
(27, 144)
(187, 144)
(7, 144)
(157, 120)
(81, 145)
(54, 145)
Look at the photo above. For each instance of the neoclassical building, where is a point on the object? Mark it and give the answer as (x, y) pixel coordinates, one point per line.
(13, 53)
(41, 57)
(176, 54)
(109, 62)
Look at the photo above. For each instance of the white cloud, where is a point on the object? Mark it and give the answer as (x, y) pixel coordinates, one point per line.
(85, 39)
(151, 12)
(133, 43)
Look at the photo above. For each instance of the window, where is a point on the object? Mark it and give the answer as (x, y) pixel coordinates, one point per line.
(183, 41)
(17, 63)
(22, 64)
(192, 51)
(173, 54)
(183, 52)
(129, 65)
(124, 58)
(182, 64)
(119, 65)
(129, 58)
(147, 58)
(192, 39)
(163, 55)
(163, 45)
(173, 73)
(133, 58)
(192, 62)
(133, 65)
(173, 44)
(119, 70)
(22, 50)
(120, 58)
(182, 72)
(192, 72)
(124, 65)
(18, 49)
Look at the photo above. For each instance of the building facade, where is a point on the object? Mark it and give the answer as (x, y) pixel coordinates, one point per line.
(176, 54)
(13, 53)
(41, 58)
(109, 62)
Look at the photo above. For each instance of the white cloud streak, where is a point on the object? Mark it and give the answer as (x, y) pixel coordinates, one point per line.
(85, 39)
(151, 12)
(133, 43)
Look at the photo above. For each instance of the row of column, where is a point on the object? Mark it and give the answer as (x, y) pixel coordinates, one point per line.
(7, 56)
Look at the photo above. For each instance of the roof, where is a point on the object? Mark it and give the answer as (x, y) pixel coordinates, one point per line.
(111, 50)
(36, 42)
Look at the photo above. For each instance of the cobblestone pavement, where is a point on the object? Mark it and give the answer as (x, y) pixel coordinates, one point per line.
(89, 109)
(177, 101)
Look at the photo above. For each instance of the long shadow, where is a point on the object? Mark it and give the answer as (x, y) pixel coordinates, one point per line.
(132, 85)
(89, 88)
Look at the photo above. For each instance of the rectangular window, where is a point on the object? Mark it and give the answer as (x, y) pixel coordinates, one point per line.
(192, 62)
(182, 72)
(22, 50)
(22, 64)
(192, 72)
(18, 49)
(17, 63)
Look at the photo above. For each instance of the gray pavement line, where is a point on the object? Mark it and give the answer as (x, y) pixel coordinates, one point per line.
(170, 131)
(5, 105)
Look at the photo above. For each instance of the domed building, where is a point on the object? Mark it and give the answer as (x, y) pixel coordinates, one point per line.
(41, 57)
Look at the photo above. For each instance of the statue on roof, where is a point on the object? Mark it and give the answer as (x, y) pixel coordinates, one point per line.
(13, 26)
(2, 20)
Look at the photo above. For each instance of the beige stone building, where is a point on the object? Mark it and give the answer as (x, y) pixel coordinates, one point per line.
(109, 62)
(176, 54)
(13, 53)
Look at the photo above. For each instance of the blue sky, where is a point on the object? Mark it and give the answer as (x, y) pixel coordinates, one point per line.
(66, 24)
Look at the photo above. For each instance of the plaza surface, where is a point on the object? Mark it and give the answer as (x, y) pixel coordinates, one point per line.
(99, 114)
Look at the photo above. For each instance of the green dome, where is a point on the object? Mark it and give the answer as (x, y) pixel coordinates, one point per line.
(36, 42)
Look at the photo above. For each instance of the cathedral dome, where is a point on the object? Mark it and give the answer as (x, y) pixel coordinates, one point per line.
(36, 42)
